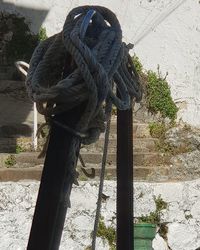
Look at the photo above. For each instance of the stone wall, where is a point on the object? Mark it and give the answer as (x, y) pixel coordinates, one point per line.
(182, 216)
(164, 32)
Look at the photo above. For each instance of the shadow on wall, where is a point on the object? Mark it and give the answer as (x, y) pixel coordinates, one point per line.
(16, 110)
(30, 13)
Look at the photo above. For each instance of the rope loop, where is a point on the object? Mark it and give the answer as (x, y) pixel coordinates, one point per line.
(91, 40)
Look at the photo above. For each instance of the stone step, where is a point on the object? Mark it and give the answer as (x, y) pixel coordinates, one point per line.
(14, 130)
(9, 145)
(138, 158)
(14, 134)
(149, 173)
(139, 144)
(140, 130)
(15, 110)
(8, 148)
(139, 173)
(9, 85)
(21, 160)
(14, 174)
(30, 159)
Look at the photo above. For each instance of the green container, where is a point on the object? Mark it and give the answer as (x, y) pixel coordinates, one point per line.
(144, 234)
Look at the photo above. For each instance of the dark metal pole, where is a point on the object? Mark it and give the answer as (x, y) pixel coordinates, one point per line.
(124, 180)
(51, 206)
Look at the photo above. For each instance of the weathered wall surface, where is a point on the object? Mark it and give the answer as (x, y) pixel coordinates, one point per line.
(182, 216)
(164, 32)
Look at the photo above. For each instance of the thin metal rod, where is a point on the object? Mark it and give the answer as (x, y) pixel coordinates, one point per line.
(21, 65)
(102, 176)
(35, 127)
(124, 180)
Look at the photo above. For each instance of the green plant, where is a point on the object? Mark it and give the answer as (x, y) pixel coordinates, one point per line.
(88, 248)
(163, 230)
(160, 203)
(159, 96)
(109, 177)
(157, 129)
(141, 195)
(164, 147)
(107, 233)
(18, 149)
(10, 161)
(188, 216)
(42, 35)
(83, 178)
(114, 110)
(137, 64)
(155, 216)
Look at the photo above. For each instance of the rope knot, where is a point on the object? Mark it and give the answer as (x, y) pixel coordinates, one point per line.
(99, 64)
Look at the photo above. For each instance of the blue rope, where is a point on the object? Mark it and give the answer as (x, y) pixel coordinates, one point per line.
(86, 22)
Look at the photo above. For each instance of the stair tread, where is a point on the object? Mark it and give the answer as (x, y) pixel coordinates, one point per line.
(13, 174)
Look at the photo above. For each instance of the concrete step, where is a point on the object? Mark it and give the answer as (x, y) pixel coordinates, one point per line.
(14, 174)
(30, 159)
(21, 160)
(16, 110)
(19, 134)
(139, 173)
(8, 148)
(139, 145)
(138, 158)
(10, 145)
(9, 141)
(14, 130)
(140, 130)
(149, 173)
(9, 85)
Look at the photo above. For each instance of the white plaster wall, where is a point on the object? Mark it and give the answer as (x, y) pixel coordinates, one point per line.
(171, 32)
(182, 217)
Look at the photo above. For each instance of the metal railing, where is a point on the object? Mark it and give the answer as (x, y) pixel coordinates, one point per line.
(23, 67)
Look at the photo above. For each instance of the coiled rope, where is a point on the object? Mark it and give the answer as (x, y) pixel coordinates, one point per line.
(101, 64)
